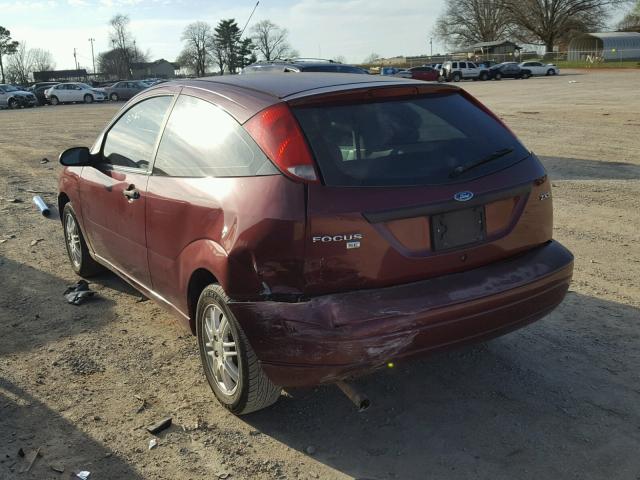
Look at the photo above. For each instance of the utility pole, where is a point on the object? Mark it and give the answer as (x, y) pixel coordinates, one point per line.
(93, 59)
(431, 46)
(75, 58)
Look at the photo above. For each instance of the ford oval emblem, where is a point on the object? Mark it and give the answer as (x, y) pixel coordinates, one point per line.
(463, 196)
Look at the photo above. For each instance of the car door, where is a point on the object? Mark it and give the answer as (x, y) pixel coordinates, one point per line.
(75, 92)
(471, 71)
(114, 193)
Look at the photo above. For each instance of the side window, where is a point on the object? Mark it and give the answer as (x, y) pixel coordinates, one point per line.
(463, 65)
(471, 65)
(201, 140)
(131, 140)
(454, 65)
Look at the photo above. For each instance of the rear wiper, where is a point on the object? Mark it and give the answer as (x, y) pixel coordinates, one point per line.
(460, 169)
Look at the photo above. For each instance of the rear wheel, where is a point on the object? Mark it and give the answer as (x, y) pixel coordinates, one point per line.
(457, 77)
(497, 76)
(54, 101)
(88, 98)
(81, 260)
(483, 76)
(114, 97)
(230, 364)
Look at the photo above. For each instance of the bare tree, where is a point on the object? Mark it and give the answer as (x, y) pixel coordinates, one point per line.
(631, 21)
(466, 22)
(7, 47)
(371, 58)
(198, 37)
(122, 42)
(339, 59)
(271, 41)
(20, 65)
(549, 21)
(42, 60)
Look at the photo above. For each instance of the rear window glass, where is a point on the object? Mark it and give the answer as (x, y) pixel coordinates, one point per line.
(417, 141)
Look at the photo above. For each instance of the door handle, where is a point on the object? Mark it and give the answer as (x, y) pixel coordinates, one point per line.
(131, 193)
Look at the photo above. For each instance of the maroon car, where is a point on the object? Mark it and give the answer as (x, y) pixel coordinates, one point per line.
(425, 72)
(310, 228)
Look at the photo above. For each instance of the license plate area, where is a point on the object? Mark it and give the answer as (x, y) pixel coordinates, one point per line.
(458, 228)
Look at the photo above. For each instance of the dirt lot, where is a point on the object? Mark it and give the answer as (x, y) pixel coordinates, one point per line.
(559, 399)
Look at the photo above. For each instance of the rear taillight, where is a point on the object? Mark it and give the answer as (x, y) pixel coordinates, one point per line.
(277, 133)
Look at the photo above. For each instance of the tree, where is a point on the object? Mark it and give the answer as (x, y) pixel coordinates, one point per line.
(466, 22)
(42, 60)
(20, 65)
(229, 49)
(339, 59)
(371, 58)
(631, 21)
(7, 47)
(123, 44)
(549, 21)
(196, 53)
(111, 62)
(271, 41)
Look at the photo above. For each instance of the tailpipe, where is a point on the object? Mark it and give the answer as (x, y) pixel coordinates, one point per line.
(359, 399)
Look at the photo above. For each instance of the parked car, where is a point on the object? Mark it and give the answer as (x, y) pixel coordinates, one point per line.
(38, 90)
(125, 90)
(486, 64)
(74, 92)
(508, 70)
(539, 68)
(457, 71)
(13, 97)
(302, 65)
(292, 222)
(425, 73)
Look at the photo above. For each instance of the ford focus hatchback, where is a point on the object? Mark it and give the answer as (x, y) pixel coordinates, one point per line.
(311, 228)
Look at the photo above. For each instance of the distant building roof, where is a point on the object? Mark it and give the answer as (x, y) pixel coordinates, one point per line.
(496, 43)
(610, 45)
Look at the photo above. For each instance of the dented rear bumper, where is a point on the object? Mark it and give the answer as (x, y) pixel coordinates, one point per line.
(331, 337)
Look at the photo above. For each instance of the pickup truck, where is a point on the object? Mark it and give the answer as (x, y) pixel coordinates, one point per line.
(457, 71)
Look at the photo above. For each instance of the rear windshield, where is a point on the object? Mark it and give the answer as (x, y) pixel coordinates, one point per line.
(417, 141)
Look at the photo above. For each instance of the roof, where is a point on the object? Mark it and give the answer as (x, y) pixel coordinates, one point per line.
(496, 43)
(624, 44)
(139, 65)
(281, 85)
(613, 35)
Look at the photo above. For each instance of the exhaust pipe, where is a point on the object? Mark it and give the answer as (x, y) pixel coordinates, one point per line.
(360, 400)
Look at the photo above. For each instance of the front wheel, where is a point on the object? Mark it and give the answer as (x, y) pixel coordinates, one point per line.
(483, 76)
(551, 71)
(81, 260)
(54, 101)
(457, 77)
(230, 364)
(498, 76)
(88, 98)
(114, 97)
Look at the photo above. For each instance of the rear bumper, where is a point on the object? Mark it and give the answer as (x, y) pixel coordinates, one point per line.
(335, 336)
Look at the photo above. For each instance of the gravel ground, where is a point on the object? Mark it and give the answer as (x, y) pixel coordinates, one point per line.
(559, 399)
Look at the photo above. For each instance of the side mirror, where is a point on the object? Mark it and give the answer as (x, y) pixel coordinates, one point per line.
(76, 157)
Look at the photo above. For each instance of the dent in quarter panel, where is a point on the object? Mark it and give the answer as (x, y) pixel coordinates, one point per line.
(248, 230)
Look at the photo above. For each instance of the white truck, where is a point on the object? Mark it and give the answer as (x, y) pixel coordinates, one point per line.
(456, 71)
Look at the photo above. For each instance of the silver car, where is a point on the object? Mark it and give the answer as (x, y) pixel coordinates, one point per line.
(125, 90)
(12, 97)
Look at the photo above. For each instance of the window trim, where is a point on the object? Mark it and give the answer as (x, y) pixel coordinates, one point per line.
(154, 151)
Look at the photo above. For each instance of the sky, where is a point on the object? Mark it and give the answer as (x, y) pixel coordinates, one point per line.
(317, 28)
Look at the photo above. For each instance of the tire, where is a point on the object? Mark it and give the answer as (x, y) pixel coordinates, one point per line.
(483, 76)
(54, 101)
(550, 72)
(526, 75)
(497, 76)
(457, 77)
(12, 103)
(88, 98)
(81, 261)
(114, 97)
(251, 390)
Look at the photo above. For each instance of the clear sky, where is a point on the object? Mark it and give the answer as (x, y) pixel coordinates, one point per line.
(317, 28)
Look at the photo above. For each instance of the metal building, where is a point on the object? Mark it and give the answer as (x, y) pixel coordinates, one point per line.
(609, 46)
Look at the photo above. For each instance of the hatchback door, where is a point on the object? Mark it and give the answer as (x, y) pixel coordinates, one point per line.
(114, 194)
(415, 183)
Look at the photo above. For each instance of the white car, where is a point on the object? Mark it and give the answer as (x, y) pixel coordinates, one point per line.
(74, 92)
(539, 68)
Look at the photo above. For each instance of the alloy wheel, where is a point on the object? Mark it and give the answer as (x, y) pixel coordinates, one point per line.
(221, 350)
(72, 232)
